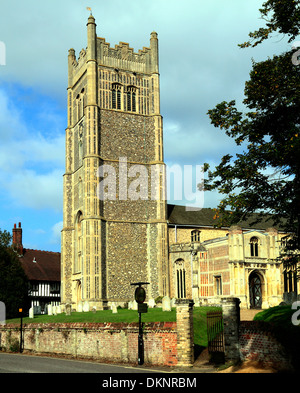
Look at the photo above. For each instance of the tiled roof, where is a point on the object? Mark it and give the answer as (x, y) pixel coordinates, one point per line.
(41, 265)
(205, 217)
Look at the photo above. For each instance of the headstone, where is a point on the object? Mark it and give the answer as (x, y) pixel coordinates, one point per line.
(130, 305)
(151, 303)
(68, 309)
(94, 309)
(166, 303)
(197, 302)
(173, 301)
(86, 306)
(114, 308)
(37, 310)
(134, 305)
(79, 306)
(49, 309)
(58, 309)
(54, 310)
(31, 313)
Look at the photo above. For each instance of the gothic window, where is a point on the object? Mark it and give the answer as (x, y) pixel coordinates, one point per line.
(254, 246)
(116, 96)
(181, 293)
(195, 236)
(180, 279)
(131, 99)
(290, 281)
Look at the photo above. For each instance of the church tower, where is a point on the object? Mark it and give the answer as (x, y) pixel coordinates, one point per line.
(114, 213)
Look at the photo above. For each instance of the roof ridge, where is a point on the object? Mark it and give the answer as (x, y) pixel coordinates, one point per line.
(50, 252)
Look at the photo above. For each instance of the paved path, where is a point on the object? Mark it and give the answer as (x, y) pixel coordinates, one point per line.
(248, 314)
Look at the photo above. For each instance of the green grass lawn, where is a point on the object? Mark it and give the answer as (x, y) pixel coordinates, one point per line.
(123, 315)
(128, 316)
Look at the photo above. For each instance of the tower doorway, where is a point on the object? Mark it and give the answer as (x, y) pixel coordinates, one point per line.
(255, 290)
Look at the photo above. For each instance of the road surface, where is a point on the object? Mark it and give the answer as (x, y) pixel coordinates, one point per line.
(22, 363)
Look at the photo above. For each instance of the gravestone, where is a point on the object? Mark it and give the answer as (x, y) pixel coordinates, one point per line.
(166, 303)
(79, 306)
(173, 301)
(197, 302)
(37, 310)
(134, 305)
(94, 309)
(31, 313)
(54, 310)
(68, 309)
(86, 306)
(58, 309)
(151, 303)
(114, 308)
(49, 308)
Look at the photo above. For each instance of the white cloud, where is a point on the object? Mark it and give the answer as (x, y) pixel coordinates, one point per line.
(30, 189)
(56, 233)
(31, 165)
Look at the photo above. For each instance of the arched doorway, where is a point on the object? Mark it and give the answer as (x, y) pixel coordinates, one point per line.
(255, 290)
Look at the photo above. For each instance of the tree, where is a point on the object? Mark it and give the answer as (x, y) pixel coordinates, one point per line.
(265, 177)
(13, 281)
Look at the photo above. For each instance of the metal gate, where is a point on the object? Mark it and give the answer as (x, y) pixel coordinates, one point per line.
(215, 334)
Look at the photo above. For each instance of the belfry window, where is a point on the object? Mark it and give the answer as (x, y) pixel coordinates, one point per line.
(254, 246)
(116, 96)
(131, 99)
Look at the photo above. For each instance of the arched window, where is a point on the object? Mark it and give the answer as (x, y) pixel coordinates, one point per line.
(195, 236)
(116, 96)
(180, 279)
(254, 246)
(181, 292)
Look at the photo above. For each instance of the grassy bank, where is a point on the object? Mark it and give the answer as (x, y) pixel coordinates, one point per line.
(286, 332)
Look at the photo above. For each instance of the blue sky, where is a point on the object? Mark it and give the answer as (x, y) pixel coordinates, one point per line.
(200, 66)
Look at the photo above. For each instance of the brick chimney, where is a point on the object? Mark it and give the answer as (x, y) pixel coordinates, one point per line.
(17, 239)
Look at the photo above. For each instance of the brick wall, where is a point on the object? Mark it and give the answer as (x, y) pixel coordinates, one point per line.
(258, 343)
(217, 262)
(113, 342)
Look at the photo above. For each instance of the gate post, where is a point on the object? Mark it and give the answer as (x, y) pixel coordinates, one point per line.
(185, 332)
(231, 322)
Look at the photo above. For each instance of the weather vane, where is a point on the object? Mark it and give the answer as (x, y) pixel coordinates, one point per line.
(89, 9)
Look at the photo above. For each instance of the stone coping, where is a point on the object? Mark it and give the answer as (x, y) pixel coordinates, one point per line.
(147, 326)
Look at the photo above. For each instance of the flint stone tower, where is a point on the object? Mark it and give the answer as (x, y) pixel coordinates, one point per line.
(114, 122)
